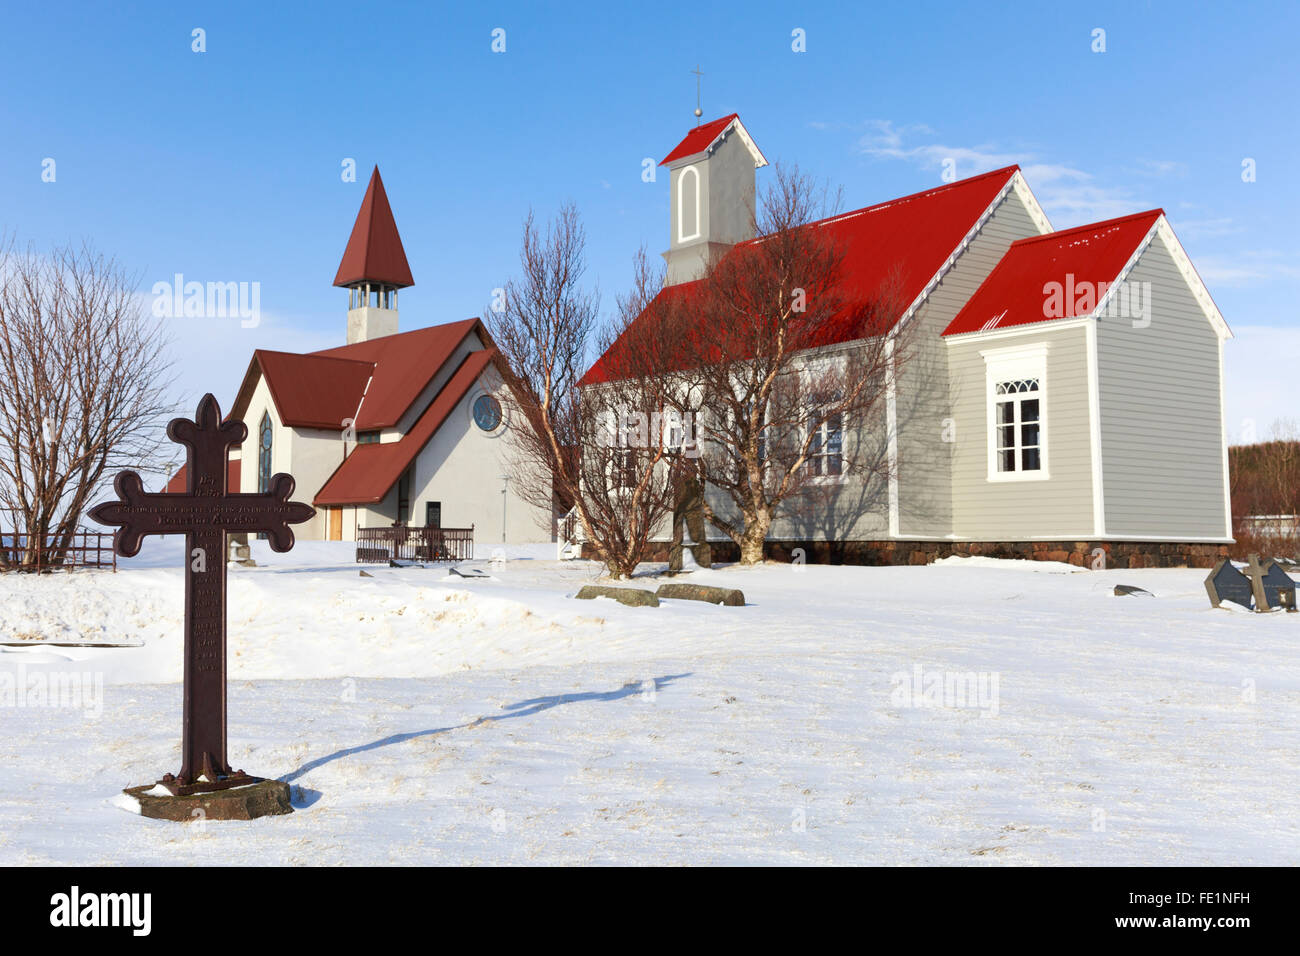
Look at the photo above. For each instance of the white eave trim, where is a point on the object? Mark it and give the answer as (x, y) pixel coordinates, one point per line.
(1025, 328)
(1192, 277)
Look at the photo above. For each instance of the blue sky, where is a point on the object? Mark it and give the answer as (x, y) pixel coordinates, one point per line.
(225, 165)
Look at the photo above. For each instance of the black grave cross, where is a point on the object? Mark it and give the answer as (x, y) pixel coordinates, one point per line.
(205, 513)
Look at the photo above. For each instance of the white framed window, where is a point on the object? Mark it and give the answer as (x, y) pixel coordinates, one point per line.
(826, 452)
(1016, 382)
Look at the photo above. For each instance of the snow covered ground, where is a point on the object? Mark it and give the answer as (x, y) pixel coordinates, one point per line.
(424, 718)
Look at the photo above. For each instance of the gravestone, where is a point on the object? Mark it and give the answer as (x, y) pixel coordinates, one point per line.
(205, 514)
(1271, 585)
(1226, 583)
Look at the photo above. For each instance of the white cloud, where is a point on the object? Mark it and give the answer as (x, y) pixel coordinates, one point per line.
(1070, 196)
(1247, 267)
(1259, 371)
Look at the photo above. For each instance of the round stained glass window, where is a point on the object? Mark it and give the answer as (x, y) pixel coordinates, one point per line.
(487, 413)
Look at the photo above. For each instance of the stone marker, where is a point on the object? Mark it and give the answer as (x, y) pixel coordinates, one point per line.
(1226, 583)
(700, 592)
(1123, 589)
(204, 514)
(264, 798)
(632, 597)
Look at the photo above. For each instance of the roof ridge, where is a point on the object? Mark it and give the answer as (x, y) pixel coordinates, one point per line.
(1088, 226)
(1014, 168)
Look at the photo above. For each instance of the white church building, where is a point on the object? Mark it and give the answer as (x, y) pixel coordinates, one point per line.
(391, 427)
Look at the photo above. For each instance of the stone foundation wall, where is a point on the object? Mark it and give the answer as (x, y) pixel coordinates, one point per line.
(1118, 554)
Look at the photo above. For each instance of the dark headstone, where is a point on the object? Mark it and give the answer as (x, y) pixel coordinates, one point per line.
(700, 592)
(205, 514)
(1226, 583)
(632, 597)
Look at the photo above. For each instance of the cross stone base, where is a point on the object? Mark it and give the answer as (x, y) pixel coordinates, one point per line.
(258, 798)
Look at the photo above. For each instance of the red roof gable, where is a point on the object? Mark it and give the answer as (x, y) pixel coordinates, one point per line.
(904, 240)
(374, 252)
(1079, 259)
(699, 139)
(176, 483)
(403, 365)
(368, 473)
(313, 391)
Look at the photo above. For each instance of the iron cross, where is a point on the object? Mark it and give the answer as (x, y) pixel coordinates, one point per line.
(204, 514)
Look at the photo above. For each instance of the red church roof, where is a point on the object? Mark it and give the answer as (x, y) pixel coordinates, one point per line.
(403, 365)
(368, 473)
(699, 139)
(373, 383)
(313, 391)
(904, 242)
(1078, 259)
(374, 252)
(703, 137)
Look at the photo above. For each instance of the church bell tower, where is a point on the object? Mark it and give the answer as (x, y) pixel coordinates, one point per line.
(373, 268)
(711, 195)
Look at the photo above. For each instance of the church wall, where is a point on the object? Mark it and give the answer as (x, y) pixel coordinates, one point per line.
(1057, 507)
(1162, 436)
(925, 399)
(461, 467)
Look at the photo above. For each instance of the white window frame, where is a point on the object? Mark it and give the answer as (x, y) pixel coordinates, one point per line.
(1013, 364)
(681, 204)
(826, 478)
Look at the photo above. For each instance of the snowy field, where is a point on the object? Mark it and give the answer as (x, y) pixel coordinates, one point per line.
(423, 718)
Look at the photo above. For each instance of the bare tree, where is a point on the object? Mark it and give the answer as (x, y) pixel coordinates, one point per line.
(81, 387)
(789, 366)
(582, 448)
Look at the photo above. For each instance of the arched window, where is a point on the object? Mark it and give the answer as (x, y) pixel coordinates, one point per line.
(688, 204)
(264, 455)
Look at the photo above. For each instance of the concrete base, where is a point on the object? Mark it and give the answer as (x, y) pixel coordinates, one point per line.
(265, 798)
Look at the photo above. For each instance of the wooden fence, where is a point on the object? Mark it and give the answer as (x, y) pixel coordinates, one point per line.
(80, 549)
(414, 544)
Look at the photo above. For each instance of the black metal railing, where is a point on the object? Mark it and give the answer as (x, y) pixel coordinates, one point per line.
(380, 545)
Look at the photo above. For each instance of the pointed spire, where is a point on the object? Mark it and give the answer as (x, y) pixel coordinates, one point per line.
(374, 252)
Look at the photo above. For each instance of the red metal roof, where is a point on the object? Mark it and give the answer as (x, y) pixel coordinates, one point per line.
(1080, 259)
(176, 484)
(403, 365)
(901, 243)
(374, 252)
(313, 391)
(699, 139)
(368, 473)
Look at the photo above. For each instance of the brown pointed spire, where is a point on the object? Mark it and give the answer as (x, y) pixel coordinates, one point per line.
(374, 252)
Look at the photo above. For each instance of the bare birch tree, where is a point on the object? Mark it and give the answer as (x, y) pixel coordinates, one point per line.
(790, 365)
(82, 382)
(601, 450)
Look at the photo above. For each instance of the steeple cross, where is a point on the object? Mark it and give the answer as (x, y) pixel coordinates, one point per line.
(698, 111)
(204, 514)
